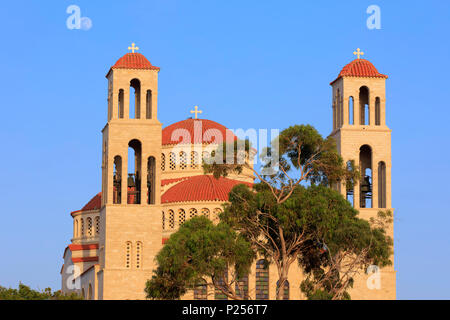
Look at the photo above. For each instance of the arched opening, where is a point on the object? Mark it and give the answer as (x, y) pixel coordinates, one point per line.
(192, 213)
(135, 99)
(221, 281)
(148, 105)
(351, 111)
(97, 225)
(194, 160)
(171, 219)
(120, 104)
(365, 164)
(262, 280)
(82, 228)
(117, 180)
(90, 292)
(138, 255)
(205, 212)
(241, 288)
(128, 255)
(350, 185)
(134, 172)
(364, 106)
(183, 160)
(381, 184)
(75, 228)
(285, 289)
(338, 109)
(181, 216)
(151, 178)
(163, 162)
(201, 290)
(172, 161)
(377, 111)
(89, 227)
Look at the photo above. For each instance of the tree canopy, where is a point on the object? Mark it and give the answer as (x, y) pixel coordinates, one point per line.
(200, 252)
(26, 293)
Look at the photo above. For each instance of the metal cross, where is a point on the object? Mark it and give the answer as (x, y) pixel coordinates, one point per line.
(358, 53)
(133, 47)
(196, 111)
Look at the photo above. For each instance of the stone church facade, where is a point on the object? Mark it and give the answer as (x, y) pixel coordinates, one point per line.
(152, 181)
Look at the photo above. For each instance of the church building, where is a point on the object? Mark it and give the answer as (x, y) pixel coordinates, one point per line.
(153, 181)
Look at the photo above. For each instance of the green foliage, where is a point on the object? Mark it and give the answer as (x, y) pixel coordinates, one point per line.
(316, 225)
(198, 250)
(26, 293)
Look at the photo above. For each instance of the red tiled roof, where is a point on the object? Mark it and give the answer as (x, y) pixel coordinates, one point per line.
(93, 204)
(201, 188)
(360, 68)
(196, 131)
(84, 259)
(76, 247)
(165, 182)
(134, 61)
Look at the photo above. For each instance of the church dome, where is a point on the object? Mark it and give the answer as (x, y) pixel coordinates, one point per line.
(196, 131)
(360, 68)
(134, 61)
(201, 188)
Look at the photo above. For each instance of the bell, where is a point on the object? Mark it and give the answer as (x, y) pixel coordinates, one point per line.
(131, 180)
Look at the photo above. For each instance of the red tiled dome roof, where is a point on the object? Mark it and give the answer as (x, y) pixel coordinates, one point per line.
(201, 188)
(133, 61)
(93, 204)
(360, 68)
(196, 131)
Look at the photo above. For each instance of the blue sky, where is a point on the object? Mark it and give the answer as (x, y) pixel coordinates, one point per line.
(247, 64)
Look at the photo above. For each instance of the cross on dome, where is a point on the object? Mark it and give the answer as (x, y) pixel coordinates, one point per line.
(358, 53)
(133, 48)
(196, 111)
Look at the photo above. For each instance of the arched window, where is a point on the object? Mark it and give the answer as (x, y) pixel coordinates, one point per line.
(205, 212)
(90, 292)
(221, 282)
(134, 172)
(128, 255)
(151, 180)
(135, 99)
(183, 160)
(262, 280)
(120, 104)
(75, 228)
(201, 291)
(381, 184)
(285, 289)
(364, 106)
(365, 164)
(163, 162)
(82, 228)
(148, 105)
(377, 111)
(192, 212)
(171, 219)
(216, 213)
(351, 108)
(117, 180)
(138, 255)
(172, 161)
(163, 220)
(97, 225)
(241, 288)
(350, 187)
(181, 216)
(194, 160)
(89, 227)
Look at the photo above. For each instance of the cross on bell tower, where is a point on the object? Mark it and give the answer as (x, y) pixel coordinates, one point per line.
(133, 48)
(358, 53)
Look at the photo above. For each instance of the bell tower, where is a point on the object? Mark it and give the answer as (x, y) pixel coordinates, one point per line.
(363, 137)
(130, 217)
